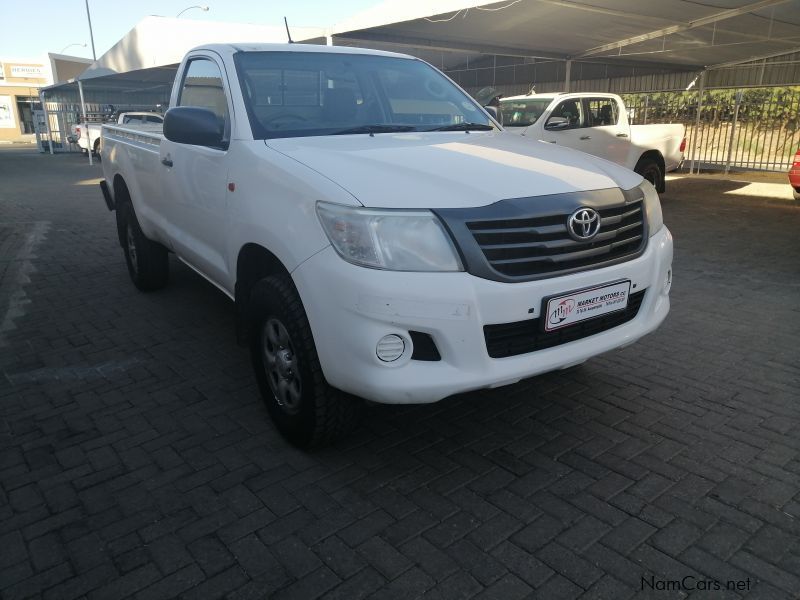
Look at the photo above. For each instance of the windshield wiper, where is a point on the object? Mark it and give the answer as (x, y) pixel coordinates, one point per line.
(463, 127)
(370, 129)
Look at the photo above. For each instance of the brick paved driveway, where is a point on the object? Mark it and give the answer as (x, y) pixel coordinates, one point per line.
(137, 459)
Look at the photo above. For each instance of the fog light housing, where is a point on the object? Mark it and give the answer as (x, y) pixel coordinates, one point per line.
(667, 282)
(390, 348)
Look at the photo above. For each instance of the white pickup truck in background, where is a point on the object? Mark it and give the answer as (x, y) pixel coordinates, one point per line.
(597, 124)
(380, 235)
(87, 135)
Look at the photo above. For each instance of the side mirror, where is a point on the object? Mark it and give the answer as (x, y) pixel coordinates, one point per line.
(556, 124)
(495, 112)
(193, 125)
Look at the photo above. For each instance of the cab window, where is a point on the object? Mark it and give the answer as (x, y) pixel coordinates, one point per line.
(203, 88)
(572, 111)
(602, 112)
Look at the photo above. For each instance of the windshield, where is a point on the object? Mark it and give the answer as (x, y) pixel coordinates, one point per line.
(292, 94)
(521, 113)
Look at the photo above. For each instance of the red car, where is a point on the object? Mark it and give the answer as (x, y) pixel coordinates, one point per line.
(794, 175)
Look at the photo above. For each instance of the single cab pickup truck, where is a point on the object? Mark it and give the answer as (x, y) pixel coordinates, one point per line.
(380, 235)
(597, 124)
(87, 135)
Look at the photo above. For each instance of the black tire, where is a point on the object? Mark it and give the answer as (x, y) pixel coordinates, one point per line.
(307, 411)
(796, 193)
(97, 149)
(651, 170)
(148, 261)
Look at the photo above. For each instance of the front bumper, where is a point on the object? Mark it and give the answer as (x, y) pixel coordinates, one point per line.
(350, 308)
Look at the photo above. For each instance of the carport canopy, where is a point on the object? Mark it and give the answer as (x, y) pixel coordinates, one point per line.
(145, 60)
(674, 33)
(680, 35)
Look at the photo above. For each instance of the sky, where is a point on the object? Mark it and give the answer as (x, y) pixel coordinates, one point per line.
(32, 29)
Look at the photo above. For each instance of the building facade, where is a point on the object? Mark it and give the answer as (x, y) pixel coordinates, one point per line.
(20, 80)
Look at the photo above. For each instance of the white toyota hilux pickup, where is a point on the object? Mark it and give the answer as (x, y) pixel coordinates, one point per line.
(380, 235)
(87, 135)
(598, 124)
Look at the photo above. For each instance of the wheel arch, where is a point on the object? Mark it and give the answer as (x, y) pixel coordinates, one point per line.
(253, 263)
(120, 188)
(122, 196)
(656, 156)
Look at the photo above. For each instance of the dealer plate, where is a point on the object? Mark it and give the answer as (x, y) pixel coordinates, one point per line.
(568, 309)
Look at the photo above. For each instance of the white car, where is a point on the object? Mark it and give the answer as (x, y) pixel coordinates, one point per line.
(87, 135)
(597, 124)
(380, 235)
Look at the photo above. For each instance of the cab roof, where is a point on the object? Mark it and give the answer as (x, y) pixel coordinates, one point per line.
(551, 95)
(224, 49)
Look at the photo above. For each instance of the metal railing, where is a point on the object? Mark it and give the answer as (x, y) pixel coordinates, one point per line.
(748, 129)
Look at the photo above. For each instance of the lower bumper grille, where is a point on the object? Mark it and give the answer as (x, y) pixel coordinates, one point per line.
(512, 339)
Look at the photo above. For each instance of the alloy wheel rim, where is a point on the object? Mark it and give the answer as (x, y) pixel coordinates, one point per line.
(281, 365)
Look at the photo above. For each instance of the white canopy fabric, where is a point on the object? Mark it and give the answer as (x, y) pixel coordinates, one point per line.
(157, 42)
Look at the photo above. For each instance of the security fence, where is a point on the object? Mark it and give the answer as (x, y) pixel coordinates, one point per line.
(751, 129)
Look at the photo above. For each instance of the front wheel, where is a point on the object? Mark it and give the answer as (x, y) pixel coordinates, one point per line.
(796, 192)
(651, 170)
(306, 410)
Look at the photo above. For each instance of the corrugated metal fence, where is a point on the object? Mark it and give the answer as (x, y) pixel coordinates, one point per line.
(755, 128)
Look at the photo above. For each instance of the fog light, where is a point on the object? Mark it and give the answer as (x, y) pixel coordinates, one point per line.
(390, 348)
(667, 282)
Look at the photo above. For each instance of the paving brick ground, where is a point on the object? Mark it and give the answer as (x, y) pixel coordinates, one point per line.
(138, 461)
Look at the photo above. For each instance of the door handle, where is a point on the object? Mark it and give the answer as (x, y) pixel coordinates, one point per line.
(586, 137)
(622, 135)
(167, 162)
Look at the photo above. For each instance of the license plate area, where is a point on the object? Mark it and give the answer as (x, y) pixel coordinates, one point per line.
(567, 309)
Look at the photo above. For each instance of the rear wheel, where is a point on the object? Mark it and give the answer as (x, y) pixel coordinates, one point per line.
(796, 192)
(148, 261)
(97, 149)
(306, 410)
(651, 170)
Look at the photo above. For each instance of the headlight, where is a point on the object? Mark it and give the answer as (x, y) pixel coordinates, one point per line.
(652, 206)
(396, 240)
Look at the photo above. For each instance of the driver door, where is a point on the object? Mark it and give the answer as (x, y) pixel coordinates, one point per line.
(608, 139)
(571, 133)
(195, 178)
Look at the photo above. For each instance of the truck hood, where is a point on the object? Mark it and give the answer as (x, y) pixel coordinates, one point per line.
(450, 169)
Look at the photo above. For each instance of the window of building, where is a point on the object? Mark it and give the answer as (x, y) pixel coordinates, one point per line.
(25, 107)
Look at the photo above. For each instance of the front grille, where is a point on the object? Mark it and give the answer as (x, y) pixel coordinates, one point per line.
(540, 245)
(511, 339)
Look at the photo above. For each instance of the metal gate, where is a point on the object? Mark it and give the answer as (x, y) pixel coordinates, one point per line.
(749, 129)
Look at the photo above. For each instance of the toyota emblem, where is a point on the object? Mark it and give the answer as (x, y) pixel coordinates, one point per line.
(583, 224)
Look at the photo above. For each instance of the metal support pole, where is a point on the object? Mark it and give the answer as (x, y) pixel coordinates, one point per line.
(47, 122)
(700, 91)
(646, 106)
(85, 123)
(567, 75)
(91, 33)
(733, 131)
